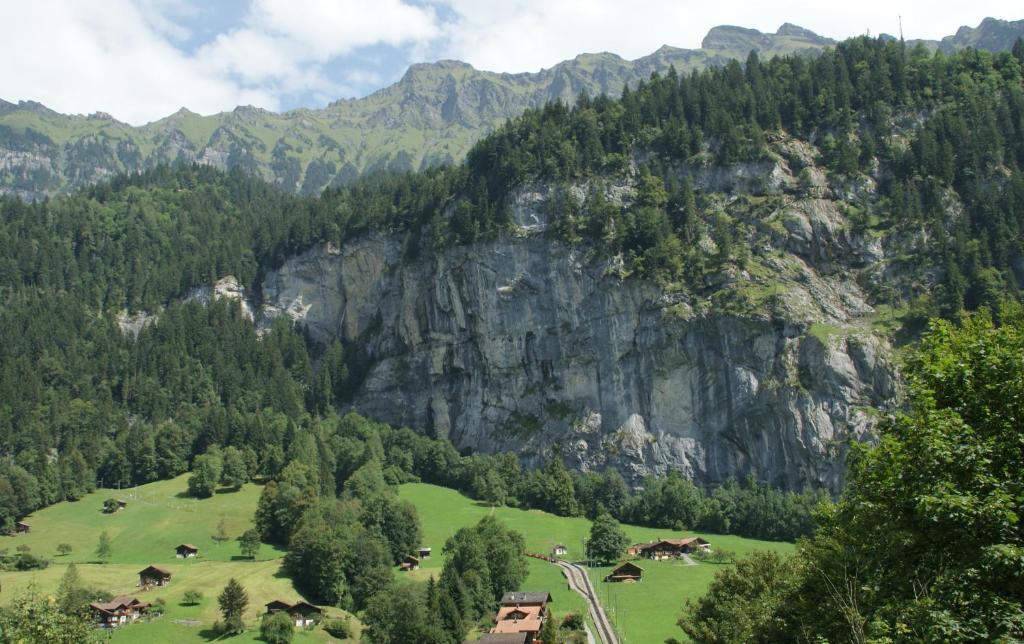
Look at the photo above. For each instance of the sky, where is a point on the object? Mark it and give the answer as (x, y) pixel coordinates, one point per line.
(141, 60)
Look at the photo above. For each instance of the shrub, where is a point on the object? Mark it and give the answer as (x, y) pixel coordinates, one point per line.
(277, 628)
(572, 622)
(191, 597)
(339, 628)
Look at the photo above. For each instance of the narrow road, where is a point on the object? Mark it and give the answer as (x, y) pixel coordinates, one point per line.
(580, 582)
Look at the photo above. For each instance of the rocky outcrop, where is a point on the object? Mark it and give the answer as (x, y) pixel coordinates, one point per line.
(524, 344)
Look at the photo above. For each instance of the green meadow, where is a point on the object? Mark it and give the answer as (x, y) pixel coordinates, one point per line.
(158, 517)
(643, 612)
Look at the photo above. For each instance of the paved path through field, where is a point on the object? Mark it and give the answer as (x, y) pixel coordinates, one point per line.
(580, 582)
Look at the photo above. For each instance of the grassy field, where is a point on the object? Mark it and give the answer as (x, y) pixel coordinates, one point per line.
(158, 517)
(644, 612)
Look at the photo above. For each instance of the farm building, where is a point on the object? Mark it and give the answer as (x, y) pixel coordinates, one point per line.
(151, 576)
(424, 553)
(670, 548)
(409, 563)
(186, 551)
(559, 550)
(628, 572)
(634, 550)
(303, 614)
(118, 611)
(22, 528)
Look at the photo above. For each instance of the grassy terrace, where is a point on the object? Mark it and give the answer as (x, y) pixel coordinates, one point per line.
(644, 612)
(159, 516)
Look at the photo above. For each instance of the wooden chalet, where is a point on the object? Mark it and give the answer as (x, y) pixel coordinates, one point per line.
(409, 563)
(627, 572)
(559, 550)
(521, 614)
(152, 576)
(671, 548)
(186, 551)
(424, 553)
(122, 504)
(22, 528)
(118, 611)
(303, 614)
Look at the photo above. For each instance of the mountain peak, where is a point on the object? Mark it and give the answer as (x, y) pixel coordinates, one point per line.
(796, 31)
(733, 37)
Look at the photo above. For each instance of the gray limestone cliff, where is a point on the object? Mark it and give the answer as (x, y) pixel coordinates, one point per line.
(526, 344)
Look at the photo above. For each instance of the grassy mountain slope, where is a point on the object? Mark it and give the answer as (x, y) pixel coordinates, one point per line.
(431, 116)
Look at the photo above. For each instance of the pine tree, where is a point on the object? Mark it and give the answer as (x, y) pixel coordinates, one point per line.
(233, 601)
(104, 549)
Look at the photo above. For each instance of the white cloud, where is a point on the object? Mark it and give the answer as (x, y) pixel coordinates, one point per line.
(120, 56)
(81, 57)
(526, 35)
(281, 36)
(129, 58)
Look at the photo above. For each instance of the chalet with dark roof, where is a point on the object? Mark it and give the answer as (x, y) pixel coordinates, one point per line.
(118, 611)
(409, 563)
(186, 551)
(627, 572)
(303, 614)
(22, 528)
(153, 576)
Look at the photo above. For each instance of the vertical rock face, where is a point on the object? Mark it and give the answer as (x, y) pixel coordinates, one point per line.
(524, 344)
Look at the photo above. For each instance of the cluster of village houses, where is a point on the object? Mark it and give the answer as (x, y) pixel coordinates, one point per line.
(521, 616)
(126, 609)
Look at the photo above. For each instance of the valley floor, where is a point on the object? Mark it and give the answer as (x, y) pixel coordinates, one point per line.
(159, 516)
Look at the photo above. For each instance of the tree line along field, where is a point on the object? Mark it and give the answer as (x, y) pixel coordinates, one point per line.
(160, 516)
(643, 612)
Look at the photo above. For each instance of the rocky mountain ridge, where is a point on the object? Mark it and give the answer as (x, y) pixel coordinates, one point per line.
(431, 116)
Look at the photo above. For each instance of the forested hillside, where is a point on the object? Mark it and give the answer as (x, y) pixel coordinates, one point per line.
(925, 150)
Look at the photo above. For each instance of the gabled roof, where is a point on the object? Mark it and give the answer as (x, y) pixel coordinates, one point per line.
(303, 606)
(629, 565)
(676, 543)
(117, 603)
(511, 599)
(187, 546)
(299, 606)
(411, 559)
(157, 569)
